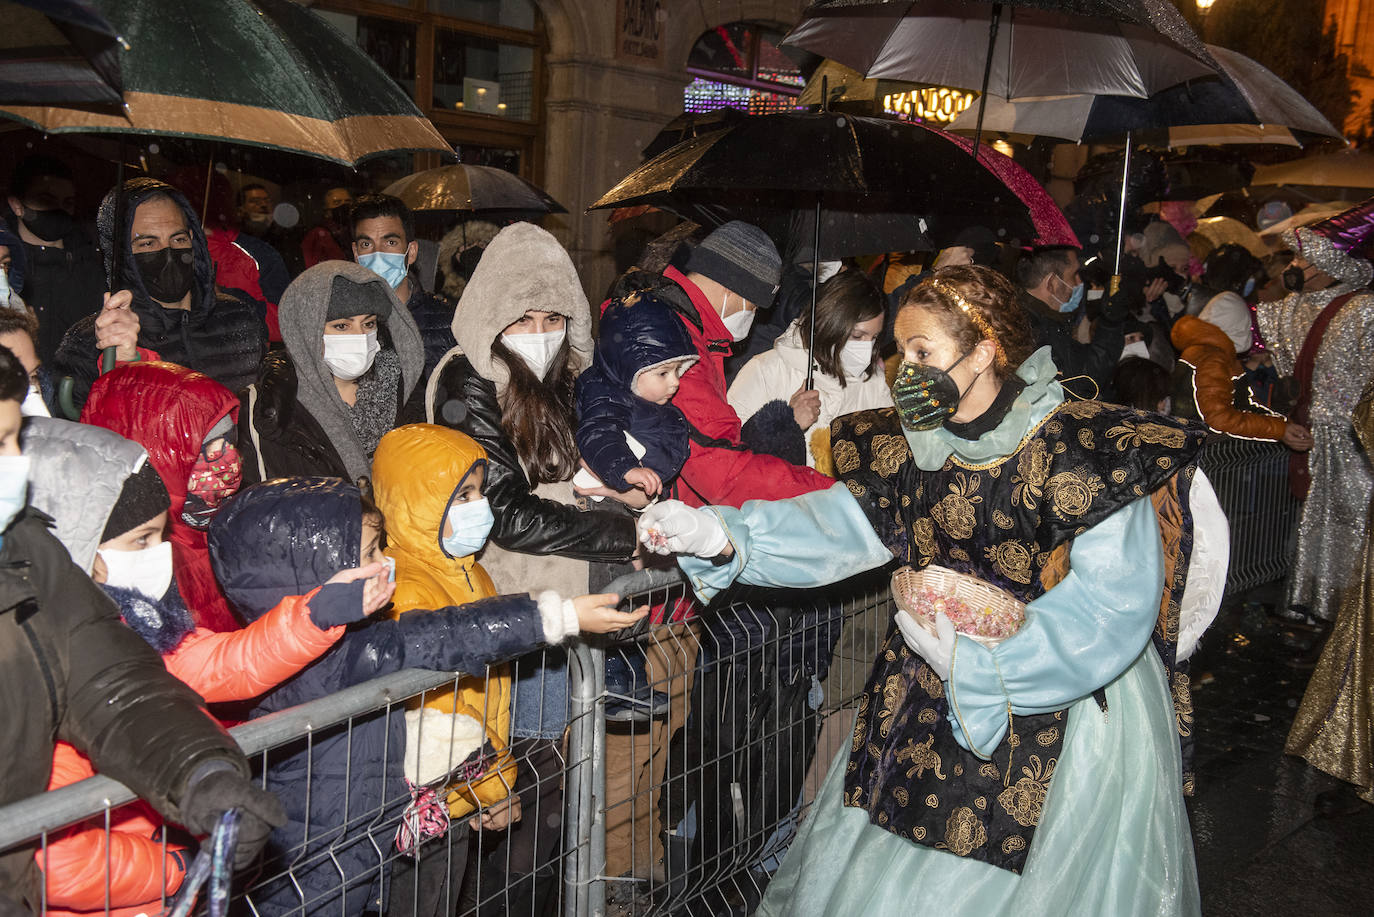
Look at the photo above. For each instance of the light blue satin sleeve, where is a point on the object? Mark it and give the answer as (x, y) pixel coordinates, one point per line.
(1076, 638)
(811, 540)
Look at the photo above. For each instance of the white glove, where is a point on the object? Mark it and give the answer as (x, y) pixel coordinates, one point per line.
(936, 649)
(673, 527)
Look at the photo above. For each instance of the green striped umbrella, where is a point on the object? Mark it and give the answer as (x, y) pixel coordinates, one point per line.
(267, 73)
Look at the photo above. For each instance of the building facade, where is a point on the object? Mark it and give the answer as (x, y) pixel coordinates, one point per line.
(568, 92)
(1354, 21)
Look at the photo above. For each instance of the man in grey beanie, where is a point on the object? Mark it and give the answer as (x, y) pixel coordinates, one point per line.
(734, 271)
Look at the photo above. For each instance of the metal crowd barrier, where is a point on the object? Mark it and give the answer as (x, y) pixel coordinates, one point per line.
(1251, 481)
(684, 809)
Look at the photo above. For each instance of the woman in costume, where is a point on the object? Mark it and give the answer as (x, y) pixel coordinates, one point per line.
(1038, 775)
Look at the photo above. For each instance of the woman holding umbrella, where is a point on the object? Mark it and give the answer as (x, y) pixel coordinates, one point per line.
(1034, 770)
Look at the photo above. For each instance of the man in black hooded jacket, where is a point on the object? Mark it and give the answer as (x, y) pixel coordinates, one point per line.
(169, 306)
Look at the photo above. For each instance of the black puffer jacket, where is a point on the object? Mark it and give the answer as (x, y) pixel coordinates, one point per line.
(524, 522)
(223, 334)
(278, 437)
(73, 672)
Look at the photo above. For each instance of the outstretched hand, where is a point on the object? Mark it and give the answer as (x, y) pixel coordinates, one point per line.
(673, 527)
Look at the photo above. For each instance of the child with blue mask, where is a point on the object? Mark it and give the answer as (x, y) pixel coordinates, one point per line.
(428, 483)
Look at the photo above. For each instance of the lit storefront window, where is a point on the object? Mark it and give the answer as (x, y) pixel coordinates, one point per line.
(740, 66)
(937, 105)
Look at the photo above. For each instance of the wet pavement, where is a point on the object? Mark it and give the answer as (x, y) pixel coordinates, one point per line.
(1261, 846)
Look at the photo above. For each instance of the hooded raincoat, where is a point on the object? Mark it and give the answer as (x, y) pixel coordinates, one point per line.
(79, 471)
(294, 422)
(416, 473)
(223, 334)
(344, 795)
(168, 410)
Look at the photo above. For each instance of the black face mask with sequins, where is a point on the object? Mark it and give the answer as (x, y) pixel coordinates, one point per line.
(1293, 279)
(925, 396)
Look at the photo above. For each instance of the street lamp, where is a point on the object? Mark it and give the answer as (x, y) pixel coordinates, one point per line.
(1203, 8)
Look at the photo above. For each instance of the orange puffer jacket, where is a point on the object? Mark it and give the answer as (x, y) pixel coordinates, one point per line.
(229, 666)
(1205, 384)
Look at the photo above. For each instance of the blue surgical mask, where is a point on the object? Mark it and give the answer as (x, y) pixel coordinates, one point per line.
(14, 487)
(1074, 301)
(471, 522)
(1248, 289)
(390, 266)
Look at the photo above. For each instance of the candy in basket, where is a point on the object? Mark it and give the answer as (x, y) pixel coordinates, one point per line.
(977, 609)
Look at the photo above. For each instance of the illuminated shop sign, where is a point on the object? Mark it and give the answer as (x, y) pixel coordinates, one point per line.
(938, 104)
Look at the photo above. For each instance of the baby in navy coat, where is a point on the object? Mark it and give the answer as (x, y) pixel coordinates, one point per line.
(641, 353)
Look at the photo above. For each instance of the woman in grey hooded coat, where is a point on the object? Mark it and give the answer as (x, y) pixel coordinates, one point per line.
(351, 366)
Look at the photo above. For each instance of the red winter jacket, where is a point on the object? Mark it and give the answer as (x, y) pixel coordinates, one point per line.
(167, 409)
(727, 476)
(236, 269)
(221, 667)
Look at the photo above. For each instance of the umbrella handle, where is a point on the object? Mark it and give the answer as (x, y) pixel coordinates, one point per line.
(815, 285)
(107, 360)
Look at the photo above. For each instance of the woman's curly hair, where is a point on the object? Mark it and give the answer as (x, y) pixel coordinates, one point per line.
(977, 303)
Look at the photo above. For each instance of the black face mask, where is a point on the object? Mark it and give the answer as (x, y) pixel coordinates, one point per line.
(1293, 279)
(338, 214)
(49, 225)
(926, 396)
(167, 273)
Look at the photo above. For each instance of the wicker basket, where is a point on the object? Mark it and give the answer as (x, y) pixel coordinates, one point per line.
(979, 610)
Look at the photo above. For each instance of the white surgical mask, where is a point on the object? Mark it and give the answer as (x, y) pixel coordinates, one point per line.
(348, 356)
(1095, 295)
(856, 358)
(1135, 349)
(147, 571)
(537, 350)
(14, 487)
(32, 405)
(472, 522)
(737, 323)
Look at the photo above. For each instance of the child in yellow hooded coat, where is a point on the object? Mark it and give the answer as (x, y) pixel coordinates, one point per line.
(427, 477)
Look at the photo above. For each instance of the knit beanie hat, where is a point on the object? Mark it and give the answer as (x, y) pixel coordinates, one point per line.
(347, 299)
(742, 258)
(142, 498)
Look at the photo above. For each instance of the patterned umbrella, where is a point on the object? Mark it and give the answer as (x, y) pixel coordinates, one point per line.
(267, 73)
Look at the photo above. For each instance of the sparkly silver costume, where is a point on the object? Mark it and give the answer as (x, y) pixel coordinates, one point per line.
(1331, 532)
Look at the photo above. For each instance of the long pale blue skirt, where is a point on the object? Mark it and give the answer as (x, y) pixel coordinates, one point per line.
(1113, 838)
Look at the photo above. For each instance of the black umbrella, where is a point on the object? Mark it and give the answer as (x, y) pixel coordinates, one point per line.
(58, 52)
(851, 185)
(692, 124)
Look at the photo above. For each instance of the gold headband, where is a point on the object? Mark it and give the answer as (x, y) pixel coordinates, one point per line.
(972, 314)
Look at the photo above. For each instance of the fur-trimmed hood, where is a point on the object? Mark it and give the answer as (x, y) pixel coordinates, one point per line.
(523, 268)
(465, 236)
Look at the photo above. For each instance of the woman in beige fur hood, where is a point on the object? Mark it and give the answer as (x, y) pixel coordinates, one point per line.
(524, 332)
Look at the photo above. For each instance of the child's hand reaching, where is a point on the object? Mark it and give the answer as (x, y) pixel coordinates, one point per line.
(645, 479)
(597, 614)
(337, 604)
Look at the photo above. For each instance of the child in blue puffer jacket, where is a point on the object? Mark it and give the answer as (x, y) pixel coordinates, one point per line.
(623, 400)
(345, 790)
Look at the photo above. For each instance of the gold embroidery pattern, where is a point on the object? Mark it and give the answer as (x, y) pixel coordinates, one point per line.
(922, 757)
(856, 488)
(926, 678)
(923, 533)
(927, 716)
(888, 454)
(1119, 476)
(1129, 433)
(901, 795)
(846, 456)
(1025, 798)
(894, 692)
(1012, 559)
(1081, 410)
(860, 725)
(1086, 438)
(932, 801)
(964, 832)
(990, 771)
(955, 513)
(1183, 703)
(919, 833)
(1013, 844)
(862, 427)
(1002, 520)
(959, 554)
(958, 770)
(1047, 737)
(1072, 493)
(981, 802)
(1032, 470)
